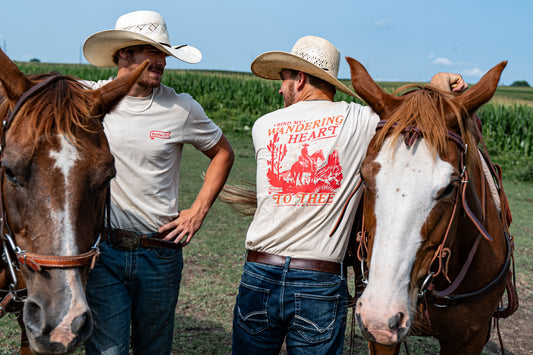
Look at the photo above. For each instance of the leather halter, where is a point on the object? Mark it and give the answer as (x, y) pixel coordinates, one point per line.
(427, 291)
(34, 261)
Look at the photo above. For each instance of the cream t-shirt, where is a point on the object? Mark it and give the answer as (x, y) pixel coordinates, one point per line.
(308, 159)
(146, 137)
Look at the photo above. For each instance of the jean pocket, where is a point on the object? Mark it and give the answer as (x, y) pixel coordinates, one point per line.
(315, 316)
(251, 307)
(166, 253)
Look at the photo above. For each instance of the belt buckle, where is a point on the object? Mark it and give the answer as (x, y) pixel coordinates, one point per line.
(125, 243)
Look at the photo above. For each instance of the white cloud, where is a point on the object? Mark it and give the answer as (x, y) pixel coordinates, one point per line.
(442, 61)
(476, 72)
(380, 23)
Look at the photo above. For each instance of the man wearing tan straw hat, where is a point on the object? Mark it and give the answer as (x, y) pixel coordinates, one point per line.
(293, 285)
(135, 283)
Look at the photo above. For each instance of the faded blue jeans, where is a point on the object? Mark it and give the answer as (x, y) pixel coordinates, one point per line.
(309, 308)
(138, 289)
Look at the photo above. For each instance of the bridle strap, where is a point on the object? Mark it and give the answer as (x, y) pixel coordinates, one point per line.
(345, 207)
(36, 261)
(440, 300)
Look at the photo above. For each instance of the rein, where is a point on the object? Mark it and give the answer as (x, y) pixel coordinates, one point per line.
(34, 261)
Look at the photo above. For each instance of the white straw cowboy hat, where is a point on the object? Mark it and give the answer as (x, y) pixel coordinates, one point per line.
(135, 28)
(312, 55)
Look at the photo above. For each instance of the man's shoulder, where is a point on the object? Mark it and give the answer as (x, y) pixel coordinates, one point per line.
(96, 84)
(170, 93)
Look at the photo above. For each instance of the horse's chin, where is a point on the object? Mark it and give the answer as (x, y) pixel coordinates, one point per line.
(45, 347)
(386, 337)
(382, 336)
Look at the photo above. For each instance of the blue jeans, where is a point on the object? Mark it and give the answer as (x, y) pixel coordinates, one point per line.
(309, 308)
(138, 289)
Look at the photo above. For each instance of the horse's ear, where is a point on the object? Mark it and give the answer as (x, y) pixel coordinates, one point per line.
(110, 94)
(381, 102)
(480, 93)
(14, 82)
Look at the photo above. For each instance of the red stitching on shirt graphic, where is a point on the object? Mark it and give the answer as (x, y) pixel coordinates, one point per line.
(159, 134)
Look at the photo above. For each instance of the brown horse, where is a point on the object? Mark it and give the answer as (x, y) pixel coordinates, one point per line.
(438, 248)
(55, 170)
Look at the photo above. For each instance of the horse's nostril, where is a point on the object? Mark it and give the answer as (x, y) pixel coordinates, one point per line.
(33, 315)
(82, 325)
(394, 321)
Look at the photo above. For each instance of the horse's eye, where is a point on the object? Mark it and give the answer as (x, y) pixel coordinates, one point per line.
(448, 190)
(10, 175)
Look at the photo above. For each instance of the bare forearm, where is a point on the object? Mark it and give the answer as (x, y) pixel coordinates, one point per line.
(215, 178)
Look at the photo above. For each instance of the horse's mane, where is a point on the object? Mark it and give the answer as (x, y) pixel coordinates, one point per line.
(424, 107)
(61, 107)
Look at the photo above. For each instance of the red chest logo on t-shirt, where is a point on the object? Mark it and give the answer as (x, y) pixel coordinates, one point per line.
(159, 134)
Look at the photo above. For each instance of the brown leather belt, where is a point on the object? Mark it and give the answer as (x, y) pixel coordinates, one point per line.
(295, 263)
(130, 241)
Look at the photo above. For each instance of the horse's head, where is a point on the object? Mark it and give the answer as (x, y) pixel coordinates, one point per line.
(56, 167)
(411, 173)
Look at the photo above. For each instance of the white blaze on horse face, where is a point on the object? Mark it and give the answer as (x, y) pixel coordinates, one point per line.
(406, 189)
(65, 160)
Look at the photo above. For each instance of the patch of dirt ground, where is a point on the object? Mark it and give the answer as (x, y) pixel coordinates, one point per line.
(516, 331)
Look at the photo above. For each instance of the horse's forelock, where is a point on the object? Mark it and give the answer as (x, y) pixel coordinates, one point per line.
(59, 108)
(424, 107)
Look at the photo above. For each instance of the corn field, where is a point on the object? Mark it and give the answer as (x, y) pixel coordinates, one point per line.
(235, 100)
(508, 128)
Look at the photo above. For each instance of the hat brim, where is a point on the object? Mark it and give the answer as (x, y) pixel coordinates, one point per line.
(99, 48)
(270, 64)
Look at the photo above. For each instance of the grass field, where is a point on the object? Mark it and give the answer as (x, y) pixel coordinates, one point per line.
(214, 259)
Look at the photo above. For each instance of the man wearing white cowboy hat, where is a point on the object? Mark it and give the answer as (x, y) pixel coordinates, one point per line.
(137, 277)
(293, 285)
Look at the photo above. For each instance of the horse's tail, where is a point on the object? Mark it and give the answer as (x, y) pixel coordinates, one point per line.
(242, 199)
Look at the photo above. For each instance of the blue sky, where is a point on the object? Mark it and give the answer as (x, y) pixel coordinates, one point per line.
(396, 40)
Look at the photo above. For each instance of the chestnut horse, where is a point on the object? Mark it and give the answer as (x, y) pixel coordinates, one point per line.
(55, 170)
(438, 250)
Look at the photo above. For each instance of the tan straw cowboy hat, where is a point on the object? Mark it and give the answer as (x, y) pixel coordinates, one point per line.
(135, 28)
(312, 55)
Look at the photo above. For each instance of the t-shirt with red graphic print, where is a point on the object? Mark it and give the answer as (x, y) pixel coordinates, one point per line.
(308, 159)
(146, 137)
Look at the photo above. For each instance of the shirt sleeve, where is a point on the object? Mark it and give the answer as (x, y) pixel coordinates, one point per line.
(200, 131)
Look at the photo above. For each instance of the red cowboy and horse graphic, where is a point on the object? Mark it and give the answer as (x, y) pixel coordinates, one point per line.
(310, 173)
